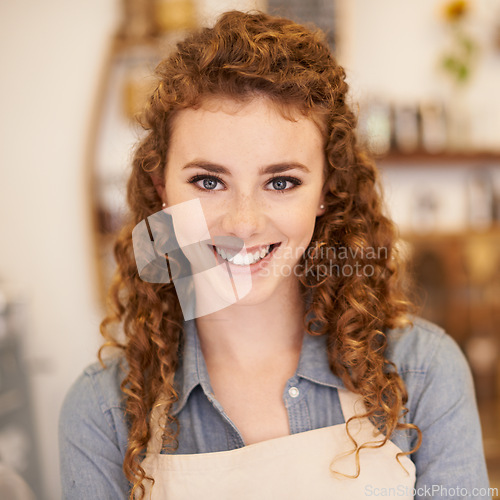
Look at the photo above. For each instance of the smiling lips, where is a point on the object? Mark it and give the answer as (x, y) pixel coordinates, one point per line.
(247, 259)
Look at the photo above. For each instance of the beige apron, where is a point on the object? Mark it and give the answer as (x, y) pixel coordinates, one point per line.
(290, 467)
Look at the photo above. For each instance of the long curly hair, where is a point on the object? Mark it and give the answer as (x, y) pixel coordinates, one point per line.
(246, 55)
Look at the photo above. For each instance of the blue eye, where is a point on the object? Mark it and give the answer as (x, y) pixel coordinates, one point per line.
(206, 182)
(209, 183)
(279, 184)
(284, 183)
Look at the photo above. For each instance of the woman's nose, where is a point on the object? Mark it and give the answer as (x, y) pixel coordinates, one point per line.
(244, 217)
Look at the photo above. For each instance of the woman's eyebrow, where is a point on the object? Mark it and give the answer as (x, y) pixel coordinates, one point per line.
(276, 168)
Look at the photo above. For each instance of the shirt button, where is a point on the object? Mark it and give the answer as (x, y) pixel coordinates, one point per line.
(293, 392)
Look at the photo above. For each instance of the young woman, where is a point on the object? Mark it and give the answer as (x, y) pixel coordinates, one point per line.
(315, 381)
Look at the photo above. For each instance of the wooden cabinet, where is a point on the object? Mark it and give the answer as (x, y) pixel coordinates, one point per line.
(457, 280)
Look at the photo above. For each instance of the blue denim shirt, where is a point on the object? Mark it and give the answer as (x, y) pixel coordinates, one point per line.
(449, 464)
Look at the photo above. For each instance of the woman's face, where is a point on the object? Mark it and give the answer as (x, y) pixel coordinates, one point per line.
(259, 178)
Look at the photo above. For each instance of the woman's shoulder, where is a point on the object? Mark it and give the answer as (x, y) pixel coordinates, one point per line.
(93, 432)
(112, 370)
(423, 347)
(441, 403)
(96, 391)
(106, 380)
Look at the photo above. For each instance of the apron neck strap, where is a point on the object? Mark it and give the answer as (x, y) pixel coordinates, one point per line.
(351, 403)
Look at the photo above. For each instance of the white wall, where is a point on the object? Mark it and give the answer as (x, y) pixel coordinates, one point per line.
(51, 54)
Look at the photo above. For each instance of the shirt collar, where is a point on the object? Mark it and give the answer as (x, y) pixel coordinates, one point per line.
(313, 365)
(192, 368)
(313, 362)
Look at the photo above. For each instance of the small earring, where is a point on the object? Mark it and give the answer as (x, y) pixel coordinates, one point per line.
(322, 207)
(164, 205)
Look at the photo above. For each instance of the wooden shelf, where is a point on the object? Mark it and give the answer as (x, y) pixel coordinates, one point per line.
(492, 231)
(424, 159)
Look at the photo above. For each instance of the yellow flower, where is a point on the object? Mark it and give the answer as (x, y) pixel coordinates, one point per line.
(455, 10)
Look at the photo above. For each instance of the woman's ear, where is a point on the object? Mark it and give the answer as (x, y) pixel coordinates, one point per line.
(321, 207)
(159, 184)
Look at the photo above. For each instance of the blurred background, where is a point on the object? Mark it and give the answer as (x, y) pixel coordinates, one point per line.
(424, 75)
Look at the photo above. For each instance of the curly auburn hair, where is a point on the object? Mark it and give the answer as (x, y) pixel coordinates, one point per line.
(246, 55)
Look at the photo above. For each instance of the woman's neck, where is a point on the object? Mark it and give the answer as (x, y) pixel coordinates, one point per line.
(249, 336)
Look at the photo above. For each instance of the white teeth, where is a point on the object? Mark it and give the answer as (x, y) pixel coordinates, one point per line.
(243, 260)
(239, 260)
